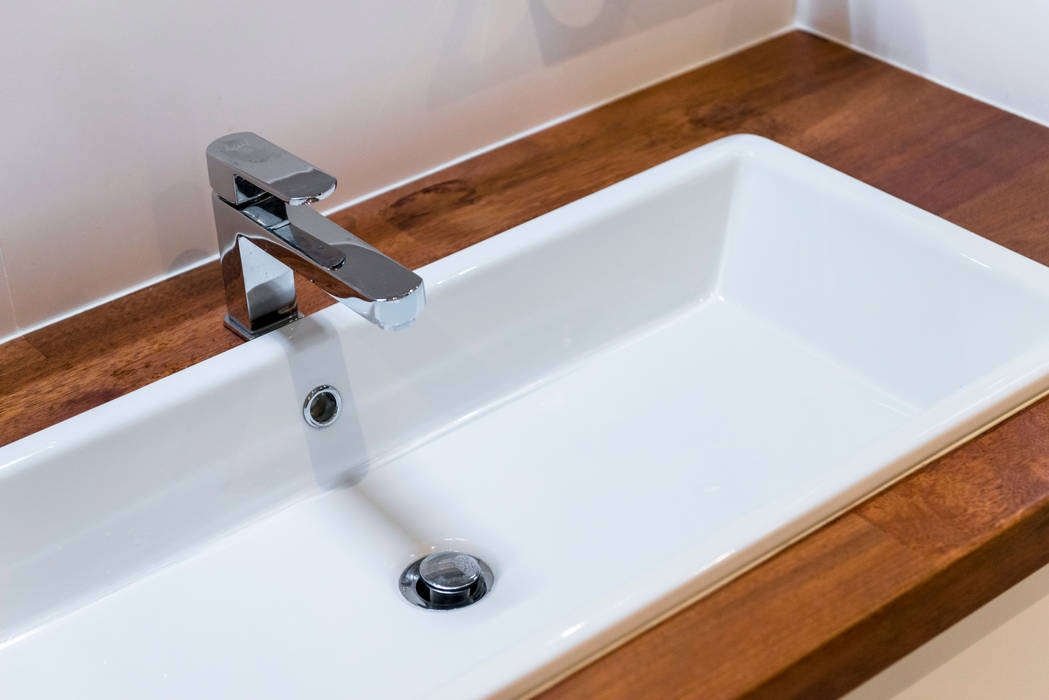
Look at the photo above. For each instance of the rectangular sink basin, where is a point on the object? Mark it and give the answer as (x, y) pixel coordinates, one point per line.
(616, 405)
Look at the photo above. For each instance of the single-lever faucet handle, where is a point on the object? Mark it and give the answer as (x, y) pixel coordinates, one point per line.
(263, 240)
(244, 167)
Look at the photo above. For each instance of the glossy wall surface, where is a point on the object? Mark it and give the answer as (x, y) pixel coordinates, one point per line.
(995, 52)
(111, 105)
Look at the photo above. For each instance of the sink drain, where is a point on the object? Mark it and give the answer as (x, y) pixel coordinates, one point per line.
(446, 580)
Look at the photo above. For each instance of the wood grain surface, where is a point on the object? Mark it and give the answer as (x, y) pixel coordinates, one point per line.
(835, 608)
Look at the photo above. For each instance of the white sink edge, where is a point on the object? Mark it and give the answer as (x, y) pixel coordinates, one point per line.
(981, 404)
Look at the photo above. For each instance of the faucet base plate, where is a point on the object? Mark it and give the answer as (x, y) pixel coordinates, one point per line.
(248, 334)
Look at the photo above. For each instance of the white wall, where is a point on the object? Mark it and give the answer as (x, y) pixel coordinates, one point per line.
(995, 51)
(109, 105)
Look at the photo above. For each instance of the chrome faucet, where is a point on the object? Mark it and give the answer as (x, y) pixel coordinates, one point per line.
(266, 230)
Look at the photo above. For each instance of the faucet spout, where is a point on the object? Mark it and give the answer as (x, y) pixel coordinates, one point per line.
(267, 232)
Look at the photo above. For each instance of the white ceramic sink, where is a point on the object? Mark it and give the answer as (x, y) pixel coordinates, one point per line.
(616, 405)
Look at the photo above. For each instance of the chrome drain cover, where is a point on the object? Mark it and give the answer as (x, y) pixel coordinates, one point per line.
(446, 580)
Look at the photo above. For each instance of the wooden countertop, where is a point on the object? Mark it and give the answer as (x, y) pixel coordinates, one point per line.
(844, 602)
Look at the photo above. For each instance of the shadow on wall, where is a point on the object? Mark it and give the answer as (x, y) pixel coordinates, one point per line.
(894, 30)
(490, 43)
(567, 28)
(177, 209)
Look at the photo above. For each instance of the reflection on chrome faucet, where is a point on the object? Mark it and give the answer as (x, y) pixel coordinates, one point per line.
(267, 231)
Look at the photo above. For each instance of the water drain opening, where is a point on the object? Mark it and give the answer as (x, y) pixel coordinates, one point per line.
(446, 580)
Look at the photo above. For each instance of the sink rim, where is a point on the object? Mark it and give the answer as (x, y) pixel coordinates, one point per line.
(491, 249)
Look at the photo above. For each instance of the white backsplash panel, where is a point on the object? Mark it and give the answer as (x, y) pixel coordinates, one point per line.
(112, 103)
(7, 309)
